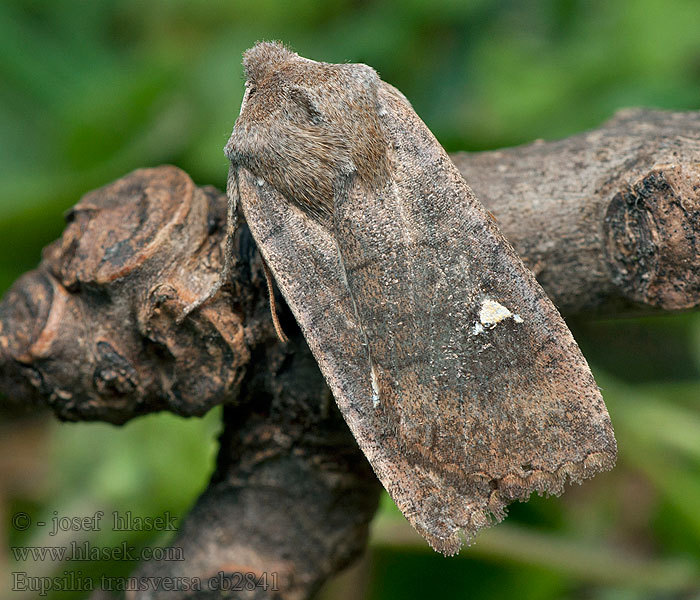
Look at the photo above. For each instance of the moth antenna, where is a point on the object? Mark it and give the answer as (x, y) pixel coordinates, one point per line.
(273, 305)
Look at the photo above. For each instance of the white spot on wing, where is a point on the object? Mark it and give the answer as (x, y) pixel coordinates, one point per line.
(260, 181)
(491, 314)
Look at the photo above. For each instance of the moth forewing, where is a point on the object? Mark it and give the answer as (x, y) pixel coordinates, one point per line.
(455, 373)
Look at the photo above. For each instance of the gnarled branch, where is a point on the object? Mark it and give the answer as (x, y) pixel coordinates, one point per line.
(608, 220)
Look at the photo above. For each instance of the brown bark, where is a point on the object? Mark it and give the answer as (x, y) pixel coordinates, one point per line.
(292, 496)
(607, 219)
(93, 333)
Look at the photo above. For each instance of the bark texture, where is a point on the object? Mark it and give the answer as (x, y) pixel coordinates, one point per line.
(608, 220)
(292, 496)
(93, 332)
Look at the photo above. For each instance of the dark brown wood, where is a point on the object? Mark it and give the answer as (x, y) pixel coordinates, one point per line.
(94, 333)
(51, 357)
(292, 496)
(608, 220)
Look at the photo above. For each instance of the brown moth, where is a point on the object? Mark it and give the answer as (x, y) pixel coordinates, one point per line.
(456, 374)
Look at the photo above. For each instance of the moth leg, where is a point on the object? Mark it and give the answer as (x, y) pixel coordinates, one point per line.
(273, 305)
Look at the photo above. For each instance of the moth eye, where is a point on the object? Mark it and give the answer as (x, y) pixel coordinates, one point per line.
(250, 88)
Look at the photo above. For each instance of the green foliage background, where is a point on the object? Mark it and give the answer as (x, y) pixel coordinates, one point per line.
(90, 90)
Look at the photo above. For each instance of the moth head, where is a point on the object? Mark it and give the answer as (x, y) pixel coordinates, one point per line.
(306, 127)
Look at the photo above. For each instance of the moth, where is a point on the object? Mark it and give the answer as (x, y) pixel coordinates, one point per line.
(456, 374)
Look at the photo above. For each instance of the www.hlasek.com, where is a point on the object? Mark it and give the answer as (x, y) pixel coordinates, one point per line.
(85, 551)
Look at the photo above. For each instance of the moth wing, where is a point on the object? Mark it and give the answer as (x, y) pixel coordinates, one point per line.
(457, 376)
(482, 390)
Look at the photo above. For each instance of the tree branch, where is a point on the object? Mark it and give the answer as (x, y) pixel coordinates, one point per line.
(608, 220)
(292, 496)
